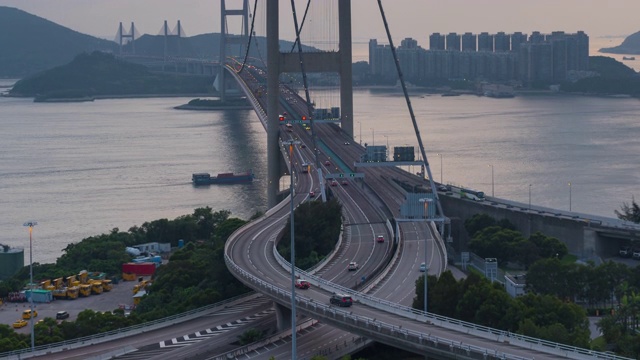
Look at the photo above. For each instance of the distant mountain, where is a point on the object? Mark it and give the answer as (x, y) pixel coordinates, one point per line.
(30, 44)
(101, 74)
(630, 45)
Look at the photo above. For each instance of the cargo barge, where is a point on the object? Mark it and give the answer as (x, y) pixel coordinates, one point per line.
(224, 178)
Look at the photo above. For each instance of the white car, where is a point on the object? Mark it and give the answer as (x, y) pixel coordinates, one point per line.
(353, 266)
(423, 267)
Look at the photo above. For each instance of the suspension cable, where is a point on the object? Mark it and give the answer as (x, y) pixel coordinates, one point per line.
(246, 54)
(306, 86)
(413, 117)
(306, 11)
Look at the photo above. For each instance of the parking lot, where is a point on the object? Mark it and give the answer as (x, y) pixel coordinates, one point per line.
(121, 294)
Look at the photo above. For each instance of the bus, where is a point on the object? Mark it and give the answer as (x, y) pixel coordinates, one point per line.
(471, 194)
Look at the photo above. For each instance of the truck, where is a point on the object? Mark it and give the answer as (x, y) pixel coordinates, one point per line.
(85, 290)
(96, 287)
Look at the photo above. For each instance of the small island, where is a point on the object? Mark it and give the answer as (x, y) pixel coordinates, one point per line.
(100, 75)
(630, 46)
(216, 104)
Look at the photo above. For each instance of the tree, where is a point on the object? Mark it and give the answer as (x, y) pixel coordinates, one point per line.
(250, 336)
(495, 242)
(444, 295)
(478, 222)
(629, 212)
(552, 277)
(548, 246)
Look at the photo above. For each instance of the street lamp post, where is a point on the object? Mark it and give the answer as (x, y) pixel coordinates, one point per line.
(31, 224)
(426, 202)
(440, 168)
(373, 137)
(529, 197)
(387, 152)
(291, 144)
(492, 183)
(569, 195)
(360, 136)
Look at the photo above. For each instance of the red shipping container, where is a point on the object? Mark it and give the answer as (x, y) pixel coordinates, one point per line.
(146, 268)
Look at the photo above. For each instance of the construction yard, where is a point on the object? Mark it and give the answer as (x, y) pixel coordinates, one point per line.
(121, 294)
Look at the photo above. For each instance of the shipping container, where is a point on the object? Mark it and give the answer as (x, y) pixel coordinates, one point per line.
(39, 296)
(144, 268)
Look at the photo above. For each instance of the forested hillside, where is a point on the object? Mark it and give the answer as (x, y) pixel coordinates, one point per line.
(31, 44)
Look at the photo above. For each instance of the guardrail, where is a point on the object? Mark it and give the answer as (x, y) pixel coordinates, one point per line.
(121, 333)
(373, 328)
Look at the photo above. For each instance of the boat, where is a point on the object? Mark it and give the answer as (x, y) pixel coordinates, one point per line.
(223, 178)
(628, 58)
(498, 91)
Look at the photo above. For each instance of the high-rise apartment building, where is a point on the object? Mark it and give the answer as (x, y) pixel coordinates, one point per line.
(535, 59)
(469, 42)
(453, 42)
(436, 41)
(501, 42)
(485, 42)
(517, 38)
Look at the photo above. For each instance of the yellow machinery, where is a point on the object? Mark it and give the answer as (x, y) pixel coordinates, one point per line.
(72, 292)
(106, 285)
(141, 286)
(58, 283)
(60, 293)
(83, 277)
(46, 285)
(71, 281)
(128, 276)
(58, 290)
(96, 287)
(85, 289)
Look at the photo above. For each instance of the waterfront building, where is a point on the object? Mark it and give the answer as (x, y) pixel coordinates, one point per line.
(502, 42)
(517, 38)
(537, 59)
(453, 42)
(469, 42)
(436, 41)
(485, 42)
(536, 37)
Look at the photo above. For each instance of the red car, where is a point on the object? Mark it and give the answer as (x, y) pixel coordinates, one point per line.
(380, 238)
(302, 284)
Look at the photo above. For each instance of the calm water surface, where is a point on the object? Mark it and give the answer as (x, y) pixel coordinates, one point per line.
(81, 169)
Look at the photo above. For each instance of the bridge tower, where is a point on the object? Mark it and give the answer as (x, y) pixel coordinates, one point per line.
(168, 34)
(122, 35)
(226, 39)
(278, 62)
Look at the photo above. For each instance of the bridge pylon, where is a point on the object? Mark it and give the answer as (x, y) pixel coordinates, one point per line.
(227, 39)
(178, 33)
(122, 36)
(277, 63)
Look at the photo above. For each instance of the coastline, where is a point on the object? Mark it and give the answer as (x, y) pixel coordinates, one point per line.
(212, 108)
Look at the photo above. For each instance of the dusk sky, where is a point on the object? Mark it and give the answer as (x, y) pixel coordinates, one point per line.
(407, 18)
